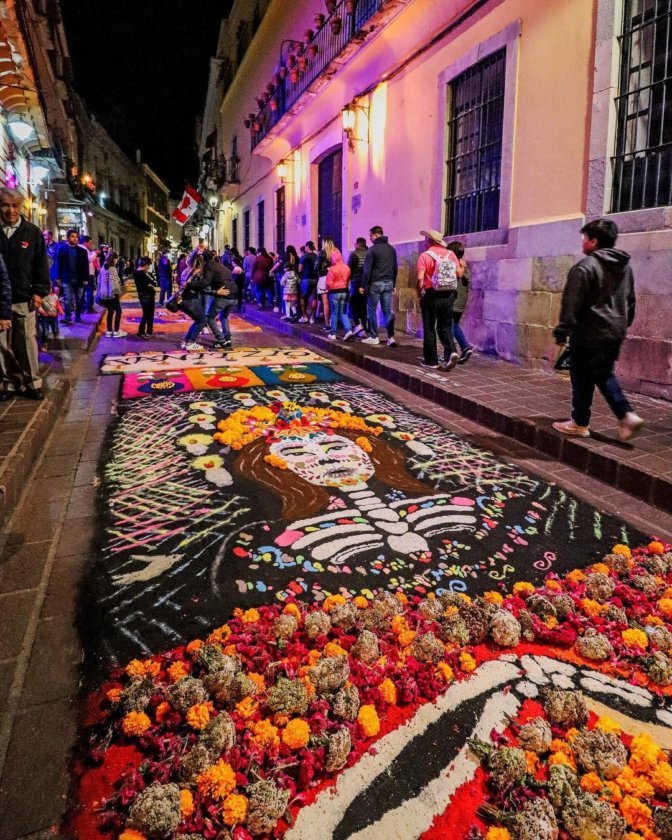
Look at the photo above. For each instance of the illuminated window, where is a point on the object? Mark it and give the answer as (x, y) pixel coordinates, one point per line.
(642, 165)
(280, 220)
(261, 221)
(246, 229)
(476, 113)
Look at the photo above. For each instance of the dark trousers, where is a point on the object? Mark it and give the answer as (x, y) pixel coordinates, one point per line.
(73, 297)
(147, 321)
(240, 285)
(590, 367)
(113, 314)
(166, 287)
(357, 305)
(220, 307)
(458, 334)
(263, 291)
(88, 292)
(437, 319)
(194, 309)
(45, 325)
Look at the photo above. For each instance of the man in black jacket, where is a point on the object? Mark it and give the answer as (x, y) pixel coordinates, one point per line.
(72, 270)
(224, 293)
(24, 252)
(378, 281)
(598, 306)
(357, 302)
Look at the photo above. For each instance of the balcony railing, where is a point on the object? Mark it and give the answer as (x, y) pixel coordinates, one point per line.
(124, 214)
(330, 40)
(219, 172)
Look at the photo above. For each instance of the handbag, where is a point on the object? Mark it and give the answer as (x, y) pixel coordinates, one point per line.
(563, 361)
(174, 302)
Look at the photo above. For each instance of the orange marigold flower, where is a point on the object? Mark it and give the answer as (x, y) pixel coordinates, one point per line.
(360, 602)
(221, 634)
(522, 588)
(135, 723)
(296, 734)
(602, 568)
(656, 547)
(493, 597)
(265, 734)
(551, 622)
(152, 668)
(314, 657)
(177, 670)
(247, 707)
(401, 597)
(665, 606)
(332, 601)
(653, 621)
(593, 608)
(114, 695)
(562, 758)
(633, 835)
(571, 733)
(292, 609)
(388, 691)
(310, 688)
(235, 809)
(161, 711)
(592, 783)
(612, 793)
(280, 720)
(629, 782)
(406, 638)
(186, 803)
(636, 814)
(558, 745)
(399, 624)
(450, 611)
(645, 754)
(217, 782)
(444, 670)
(661, 778)
(132, 834)
(575, 576)
(497, 833)
(554, 585)
(135, 668)
(276, 461)
(334, 649)
(364, 443)
(466, 598)
(622, 549)
(250, 616)
(199, 715)
(369, 721)
(467, 662)
(532, 761)
(258, 680)
(194, 647)
(607, 724)
(635, 638)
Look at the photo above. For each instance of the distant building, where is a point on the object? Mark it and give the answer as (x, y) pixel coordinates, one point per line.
(157, 214)
(506, 123)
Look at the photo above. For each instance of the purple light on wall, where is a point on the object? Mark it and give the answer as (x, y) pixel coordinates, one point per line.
(10, 179)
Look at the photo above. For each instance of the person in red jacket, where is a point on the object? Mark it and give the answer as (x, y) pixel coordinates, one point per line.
(338, 278)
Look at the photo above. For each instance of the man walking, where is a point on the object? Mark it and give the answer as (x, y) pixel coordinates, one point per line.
(438, 273)
(23, 249)
(89, 292)
(378, 280)
(357, 303)
(598, 306)
(72, 271)
(164, 270)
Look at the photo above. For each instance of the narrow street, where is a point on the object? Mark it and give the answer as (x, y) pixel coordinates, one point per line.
(136, 535)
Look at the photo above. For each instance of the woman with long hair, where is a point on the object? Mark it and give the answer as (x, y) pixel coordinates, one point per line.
(109, 294)
(323, 266)
(193, 284)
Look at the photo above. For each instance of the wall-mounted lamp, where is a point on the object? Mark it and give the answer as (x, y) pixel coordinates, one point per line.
(214, 201)
(20, 129)
(282, 170)
(349, 119)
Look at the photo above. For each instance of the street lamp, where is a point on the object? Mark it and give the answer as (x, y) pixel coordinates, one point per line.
(20, 129)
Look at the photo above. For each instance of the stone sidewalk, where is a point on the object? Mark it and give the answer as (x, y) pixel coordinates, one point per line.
(519, 403)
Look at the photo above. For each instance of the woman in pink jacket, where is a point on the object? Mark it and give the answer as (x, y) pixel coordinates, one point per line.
(338, 279)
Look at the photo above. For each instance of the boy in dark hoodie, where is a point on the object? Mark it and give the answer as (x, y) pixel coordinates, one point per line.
(598, 306)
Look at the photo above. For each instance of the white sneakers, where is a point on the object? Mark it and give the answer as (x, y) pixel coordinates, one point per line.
(303, 320)
(192, 345)
(391, 342)
(371, 340)
(332, 337)
(450, 362)
(117, 334)
(569, 428)
(348, 335)
(629, 426)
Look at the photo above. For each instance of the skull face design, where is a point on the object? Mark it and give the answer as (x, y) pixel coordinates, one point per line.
(326, 460)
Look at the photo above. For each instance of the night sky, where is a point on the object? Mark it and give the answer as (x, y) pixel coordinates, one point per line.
(142, 67)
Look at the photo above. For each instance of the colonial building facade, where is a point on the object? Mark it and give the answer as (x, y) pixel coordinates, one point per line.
(506, 123)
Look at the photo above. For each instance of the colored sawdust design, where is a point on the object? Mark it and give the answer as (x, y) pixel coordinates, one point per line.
(171, 323)
(169, 382)
(363, 496)
(306, 722)
(153, 360)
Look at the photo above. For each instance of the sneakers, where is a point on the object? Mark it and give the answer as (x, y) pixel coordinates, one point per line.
(332, 336)
(358, 330)
(348, 335)
(425, 364)
(194, 345)
(371, 340)
(144, 335)
(629, 426)
(465, 355)
(569, 427)
(391, 342)
(304, 321)
(285, 317)
(119, 334)
(311, 321)
(276, 309)
(450, 362)
(109, 334)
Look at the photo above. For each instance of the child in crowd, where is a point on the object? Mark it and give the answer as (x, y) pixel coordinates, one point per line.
(48, 314)
(290, 291)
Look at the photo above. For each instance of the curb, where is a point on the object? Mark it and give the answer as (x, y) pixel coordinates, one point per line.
(630, 479)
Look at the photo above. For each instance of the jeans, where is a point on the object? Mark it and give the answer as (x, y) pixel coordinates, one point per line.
(72, 300)
(113, 314)
(88, 293)
(166, 286)
(262, 291)
(146, 326)
(458, 335)
(437, 318)
(380, 291)
(337, 304)
(194, 309)
(221, 306)
(47, 324)
(593, 366)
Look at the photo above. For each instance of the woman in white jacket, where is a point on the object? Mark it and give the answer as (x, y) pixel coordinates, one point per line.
(109, 294)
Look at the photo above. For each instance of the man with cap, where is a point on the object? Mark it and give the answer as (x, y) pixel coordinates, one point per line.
(438, 272)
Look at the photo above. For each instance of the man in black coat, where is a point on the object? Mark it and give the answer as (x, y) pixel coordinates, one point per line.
(379, 278)
(24, 252)
(164, 270)
(72, 270)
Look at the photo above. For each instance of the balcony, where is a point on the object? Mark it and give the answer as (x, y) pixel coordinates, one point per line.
(220, 172)
(126, 215)
(342, 33)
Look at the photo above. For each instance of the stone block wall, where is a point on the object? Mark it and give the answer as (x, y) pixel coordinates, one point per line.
(516, 291)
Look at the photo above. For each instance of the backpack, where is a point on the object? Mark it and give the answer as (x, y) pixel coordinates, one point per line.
(444, 278)
(49, 305)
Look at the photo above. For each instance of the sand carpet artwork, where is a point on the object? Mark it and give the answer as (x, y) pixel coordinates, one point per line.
(160, 360)
(171, 323)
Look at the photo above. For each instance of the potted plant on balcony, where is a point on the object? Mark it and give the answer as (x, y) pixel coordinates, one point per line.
(318, 20)
(282, 72)
(257, 126)
(331, 6)
(294, 75)
(270, 87)
(313, 50)
(350, 6)
(273, 102)
(260, 102)
(308, 36)
(291, 60)
(247, 123)
(303, 63)
(336, 22)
